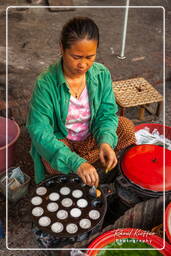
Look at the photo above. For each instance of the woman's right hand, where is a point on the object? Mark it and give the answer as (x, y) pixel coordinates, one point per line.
(88, 174)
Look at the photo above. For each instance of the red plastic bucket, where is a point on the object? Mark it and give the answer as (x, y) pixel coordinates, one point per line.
(13, 133)
(121, 235)
(159, 127)
(134, 184)
(168, 221)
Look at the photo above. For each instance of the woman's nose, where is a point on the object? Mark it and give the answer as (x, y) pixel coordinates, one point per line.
(82, 64)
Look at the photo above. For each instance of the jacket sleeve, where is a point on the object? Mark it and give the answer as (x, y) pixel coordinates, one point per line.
(106, 121)
(40, 127)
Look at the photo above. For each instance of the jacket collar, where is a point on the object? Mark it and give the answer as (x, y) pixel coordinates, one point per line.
(59, 73)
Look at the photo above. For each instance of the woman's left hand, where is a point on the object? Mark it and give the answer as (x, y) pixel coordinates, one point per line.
(107, 156)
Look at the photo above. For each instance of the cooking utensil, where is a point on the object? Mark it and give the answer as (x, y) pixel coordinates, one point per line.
(83, 224)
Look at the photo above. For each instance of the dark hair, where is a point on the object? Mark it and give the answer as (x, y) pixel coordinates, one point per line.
(79, 28)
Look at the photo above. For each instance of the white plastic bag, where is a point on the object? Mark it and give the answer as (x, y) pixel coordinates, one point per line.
(75, 252)
(144, 136)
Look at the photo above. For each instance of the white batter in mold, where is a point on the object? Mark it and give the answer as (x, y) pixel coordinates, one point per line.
(71, 228)
(85, 223)
(54, 196)
(77, 193)
(37, 200)
(67, 202)
(75, 212)
(82, 203)
(44, 221)
(52, 207)
(57, 227)
(37, 211)
(65, 191)
(41, 191)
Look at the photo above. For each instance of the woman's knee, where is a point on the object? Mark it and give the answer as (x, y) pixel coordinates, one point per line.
(126, 127)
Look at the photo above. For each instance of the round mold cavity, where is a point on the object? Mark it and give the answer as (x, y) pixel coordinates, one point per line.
(75, 212)
(77, 193)
(71, 228)
(41, 191)
(36, 200)
(65, 191)
(67, 202)
(57, 227)
(37, 211)
(63, 179)
(94, 214)
(76, 180)
(52, 207)
(83, 185)
(82, 203)
(85, 223)
(62, 214)
(54, 196)
(44, 221)
(50, 183)
(97, 203)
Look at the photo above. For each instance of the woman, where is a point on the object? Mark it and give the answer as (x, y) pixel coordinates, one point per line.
(72, 119)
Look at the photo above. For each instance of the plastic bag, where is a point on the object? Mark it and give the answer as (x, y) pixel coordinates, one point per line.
(18, 175)
(75, 252)
(144, 136)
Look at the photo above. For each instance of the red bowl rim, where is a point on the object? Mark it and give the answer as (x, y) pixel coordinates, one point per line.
(109, 237)
(167, 215)
(16, 137)
(140, 126)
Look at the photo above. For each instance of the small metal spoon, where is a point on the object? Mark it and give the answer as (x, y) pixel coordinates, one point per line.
(92, 191)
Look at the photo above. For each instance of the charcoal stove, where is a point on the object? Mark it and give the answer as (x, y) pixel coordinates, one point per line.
(63, 208)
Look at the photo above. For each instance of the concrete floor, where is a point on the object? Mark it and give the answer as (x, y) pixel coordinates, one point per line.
(33, 45)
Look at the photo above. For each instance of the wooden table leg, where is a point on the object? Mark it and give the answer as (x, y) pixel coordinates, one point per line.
(122, 111)
(159, 107)
(141, 113)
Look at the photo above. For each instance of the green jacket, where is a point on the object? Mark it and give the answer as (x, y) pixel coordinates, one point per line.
(48, 112)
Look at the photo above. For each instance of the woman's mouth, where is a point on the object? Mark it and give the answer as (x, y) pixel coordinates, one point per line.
(81, 70)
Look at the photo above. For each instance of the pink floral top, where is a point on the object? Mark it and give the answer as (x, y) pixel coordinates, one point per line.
(77, 122)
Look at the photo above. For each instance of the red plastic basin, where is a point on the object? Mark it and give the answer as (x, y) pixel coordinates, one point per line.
(13, 133)
(168, 221)
(159, 127)
(116, 234)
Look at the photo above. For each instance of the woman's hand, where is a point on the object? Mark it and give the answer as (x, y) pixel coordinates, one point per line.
(88, 174)
(107, 156)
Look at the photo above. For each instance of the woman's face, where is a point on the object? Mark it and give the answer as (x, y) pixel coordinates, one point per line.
(79, 57)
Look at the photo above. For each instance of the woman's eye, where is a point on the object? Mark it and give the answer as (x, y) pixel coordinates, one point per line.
(76, 57)
(90, 57)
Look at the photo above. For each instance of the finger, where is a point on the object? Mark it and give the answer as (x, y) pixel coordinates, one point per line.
(108, 159)
(107, 170)
(102, 159)
(93, 179)
(88, 179)
(83, 179)
(115, 161)
(96, 179)
(112, 165)
(109, 163)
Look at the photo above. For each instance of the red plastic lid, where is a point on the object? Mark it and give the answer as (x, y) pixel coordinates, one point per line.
(168, 221)
(143, 165)
(141, 235)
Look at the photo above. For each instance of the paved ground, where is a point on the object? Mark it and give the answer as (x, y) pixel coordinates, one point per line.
(33, 45)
